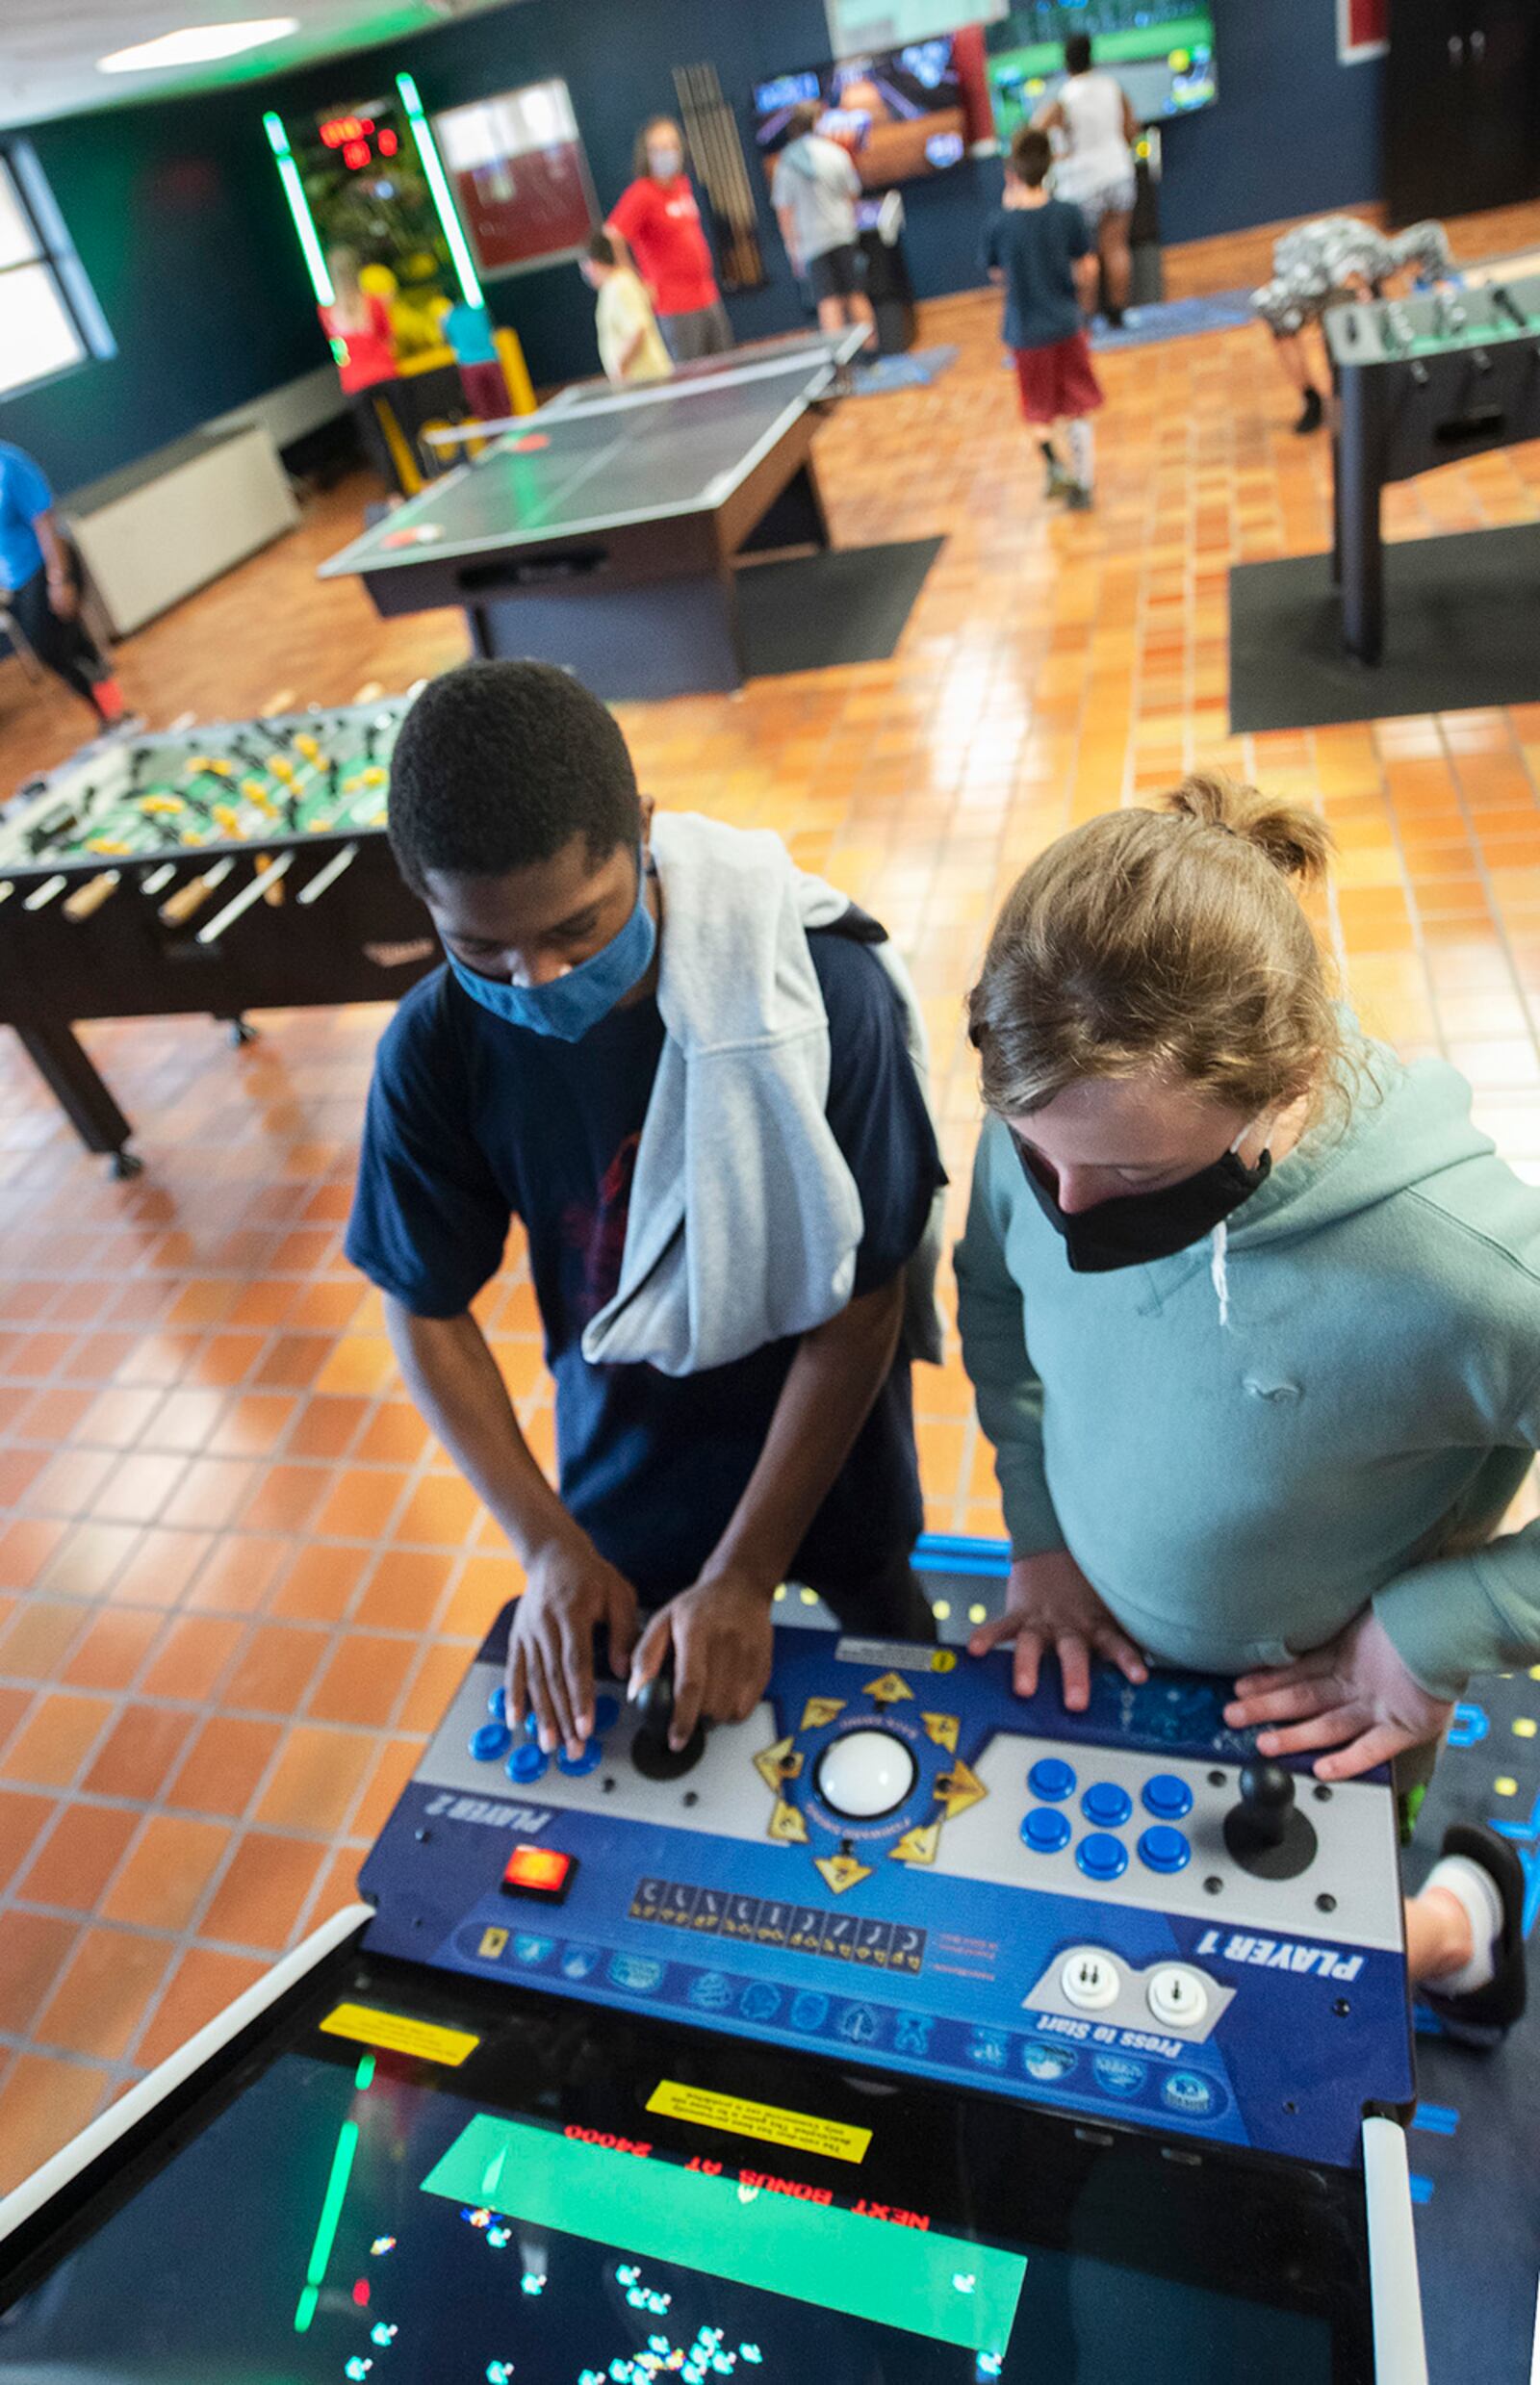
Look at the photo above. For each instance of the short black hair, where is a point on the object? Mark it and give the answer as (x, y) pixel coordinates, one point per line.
(601, 248)
(499, 765)
(806, 117)
(1077, 54)
(1031, 156)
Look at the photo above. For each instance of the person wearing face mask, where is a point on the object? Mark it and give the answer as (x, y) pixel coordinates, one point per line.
(1252, 1315)
(695, 1076)
(656, 220)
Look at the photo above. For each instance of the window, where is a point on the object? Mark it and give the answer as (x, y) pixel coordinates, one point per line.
(520, 176)
(48, 316)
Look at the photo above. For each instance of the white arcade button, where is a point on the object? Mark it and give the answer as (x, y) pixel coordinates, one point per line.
(1178, 1998)
(1090, 1979)
(866, 1773)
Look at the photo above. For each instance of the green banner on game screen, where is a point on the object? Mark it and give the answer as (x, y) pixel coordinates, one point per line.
(928, 2284)
(1124, 45)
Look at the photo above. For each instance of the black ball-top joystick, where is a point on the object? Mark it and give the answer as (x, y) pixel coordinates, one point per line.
(651, 1753)
(1265, 1833)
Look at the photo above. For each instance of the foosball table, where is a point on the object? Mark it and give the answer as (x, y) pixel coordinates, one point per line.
(1421, 381)
(218, 869)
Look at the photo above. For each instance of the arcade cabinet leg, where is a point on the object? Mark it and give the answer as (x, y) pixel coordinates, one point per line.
(80, 1094)
(1359, 550)
(1400, 2354)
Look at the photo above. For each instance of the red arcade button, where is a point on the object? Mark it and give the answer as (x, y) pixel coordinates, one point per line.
(542, 1872)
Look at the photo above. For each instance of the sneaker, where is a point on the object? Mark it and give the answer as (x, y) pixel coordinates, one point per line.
(1312, 415)
(1080, 498)
(1485, 2015)
(1056, 481)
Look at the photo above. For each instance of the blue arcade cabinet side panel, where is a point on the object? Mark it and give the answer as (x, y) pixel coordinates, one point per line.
(899, 1862)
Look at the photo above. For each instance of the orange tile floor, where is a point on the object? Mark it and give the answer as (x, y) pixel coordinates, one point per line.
(237, 1582)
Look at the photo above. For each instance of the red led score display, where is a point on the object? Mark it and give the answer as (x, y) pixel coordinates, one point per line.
(359, 138)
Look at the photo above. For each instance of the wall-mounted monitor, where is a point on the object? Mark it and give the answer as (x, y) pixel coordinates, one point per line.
(899, 112)
(1161, 51)
(520, 177)
(856, 25)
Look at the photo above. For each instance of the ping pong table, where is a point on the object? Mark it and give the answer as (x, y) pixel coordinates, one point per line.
(604, 532)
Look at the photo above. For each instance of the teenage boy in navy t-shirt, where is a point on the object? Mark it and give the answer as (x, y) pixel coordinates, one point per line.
(516, 1082)
(1037, 251)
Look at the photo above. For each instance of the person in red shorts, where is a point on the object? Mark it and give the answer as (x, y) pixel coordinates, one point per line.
(1037, 251)
(658, 223)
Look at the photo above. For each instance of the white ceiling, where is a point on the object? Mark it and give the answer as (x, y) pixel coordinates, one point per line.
(49, 48)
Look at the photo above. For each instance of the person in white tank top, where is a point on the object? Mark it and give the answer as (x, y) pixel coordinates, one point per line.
(1095, 169)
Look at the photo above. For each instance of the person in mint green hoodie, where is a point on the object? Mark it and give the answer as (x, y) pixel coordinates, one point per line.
(1252, 1315)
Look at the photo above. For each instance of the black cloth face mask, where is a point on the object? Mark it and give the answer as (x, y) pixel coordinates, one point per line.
(1139, 1227)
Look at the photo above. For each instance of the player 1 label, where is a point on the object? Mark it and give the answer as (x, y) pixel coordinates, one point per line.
(398, 2034)
(802, 2131)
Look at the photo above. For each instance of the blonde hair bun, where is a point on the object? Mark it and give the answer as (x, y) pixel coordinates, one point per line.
(1296, 841)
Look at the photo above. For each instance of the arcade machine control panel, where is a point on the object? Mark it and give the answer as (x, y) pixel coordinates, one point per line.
(897, 1861)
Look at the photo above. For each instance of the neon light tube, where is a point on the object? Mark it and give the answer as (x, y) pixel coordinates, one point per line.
(300, 208)
(438, 184)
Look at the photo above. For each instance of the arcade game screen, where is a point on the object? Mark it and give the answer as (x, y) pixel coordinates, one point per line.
(367, 190)
(1161, 51)
(363, 2218)
(899, 112)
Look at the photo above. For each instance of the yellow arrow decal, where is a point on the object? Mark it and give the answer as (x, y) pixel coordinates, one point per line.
(942, 1729)
(777, 1763)
(918, 1845)
(787, 1824)
(959, 1788)
(843, 1871)
(820, 1711)
(888, 1690)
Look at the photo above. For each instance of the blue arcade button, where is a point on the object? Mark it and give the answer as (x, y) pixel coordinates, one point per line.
(527, 1763)
(489, 1741)
(577, 1765)
(1165, 1850)
(498, 1704)
(1052, 1778)
(1167, 1796)
(1101, 1858)
(607, 1712)
(1045, 1830)
(1106, 1805)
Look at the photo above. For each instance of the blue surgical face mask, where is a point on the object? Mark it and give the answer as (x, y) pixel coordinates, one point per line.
(571, 1005)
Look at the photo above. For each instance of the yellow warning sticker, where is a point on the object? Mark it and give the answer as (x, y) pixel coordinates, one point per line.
(802, 2131)
(397, 2034)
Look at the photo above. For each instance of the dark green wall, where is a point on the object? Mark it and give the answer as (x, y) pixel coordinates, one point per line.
(179, 218)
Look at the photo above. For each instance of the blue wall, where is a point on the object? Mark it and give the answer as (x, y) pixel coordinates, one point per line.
(180, 222)
(1292, 134)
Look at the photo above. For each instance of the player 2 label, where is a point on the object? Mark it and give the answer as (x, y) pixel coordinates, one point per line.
(396, 2033)
(803, 2132)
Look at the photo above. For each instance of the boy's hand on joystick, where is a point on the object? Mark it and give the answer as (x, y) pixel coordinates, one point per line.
(1353, 1695)
(722, 1643)
(570, 1590)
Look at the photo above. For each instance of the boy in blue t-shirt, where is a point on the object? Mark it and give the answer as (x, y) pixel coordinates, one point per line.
(39, 581)
(517, 1082)
(1037, 251)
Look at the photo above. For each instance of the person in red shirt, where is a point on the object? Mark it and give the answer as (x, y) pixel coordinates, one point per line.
(358, 325)
(657, 219)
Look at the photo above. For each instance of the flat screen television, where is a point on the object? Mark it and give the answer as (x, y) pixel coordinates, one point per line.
(899, 112)
(1161, 51)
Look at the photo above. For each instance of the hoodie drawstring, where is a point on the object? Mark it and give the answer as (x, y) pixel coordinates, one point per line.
(1218, 1269)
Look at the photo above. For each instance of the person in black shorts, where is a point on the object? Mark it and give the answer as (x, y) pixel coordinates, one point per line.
(39, 584)
(814, 194)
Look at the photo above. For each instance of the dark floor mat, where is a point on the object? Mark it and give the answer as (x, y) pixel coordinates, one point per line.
(849, 605)
(1462, 629)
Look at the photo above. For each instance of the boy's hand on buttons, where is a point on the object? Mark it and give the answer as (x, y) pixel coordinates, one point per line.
(1355, 1696)
(570, 1591)
(1049, 1604)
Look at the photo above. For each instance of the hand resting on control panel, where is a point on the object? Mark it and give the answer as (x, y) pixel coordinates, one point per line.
(1049, 1604)
(1353, 1695)
(722, 1642)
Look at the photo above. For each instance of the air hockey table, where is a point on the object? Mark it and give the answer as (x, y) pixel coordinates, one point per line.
(907, 2034)
(604, 532)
